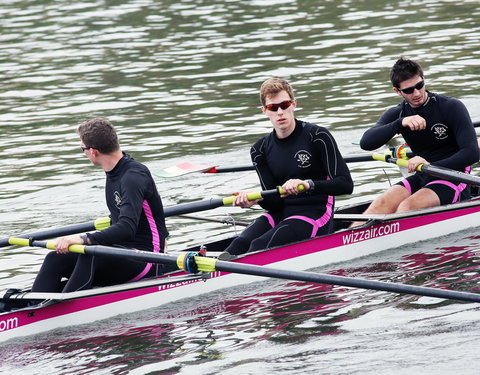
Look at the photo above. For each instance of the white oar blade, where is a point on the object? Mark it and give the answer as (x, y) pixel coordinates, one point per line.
(182, 169)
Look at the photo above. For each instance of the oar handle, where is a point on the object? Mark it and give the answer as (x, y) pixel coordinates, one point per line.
(388, 157)
(404, 163)
(401, 162)
(260, 194)
(432, 170)
(80, 249)
(99, 224)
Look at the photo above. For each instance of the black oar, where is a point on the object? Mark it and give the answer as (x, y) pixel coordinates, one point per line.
(185, 168)
(180, 209)
(352, 158)
(98, 224)
(445, 173)
(192, 262)
(209, 204)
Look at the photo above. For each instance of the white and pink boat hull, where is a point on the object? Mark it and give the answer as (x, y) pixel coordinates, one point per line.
(383, 232)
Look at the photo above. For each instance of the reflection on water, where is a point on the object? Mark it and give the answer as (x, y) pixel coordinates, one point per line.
(180, 80)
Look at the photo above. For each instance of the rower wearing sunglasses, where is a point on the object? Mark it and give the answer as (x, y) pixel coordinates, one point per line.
(296, 153)
(439, 131)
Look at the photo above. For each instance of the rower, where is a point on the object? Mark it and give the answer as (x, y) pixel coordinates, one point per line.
(137, 216)
(295, 154)
(438, 130)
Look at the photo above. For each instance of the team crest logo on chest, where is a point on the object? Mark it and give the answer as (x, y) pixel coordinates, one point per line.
(118, 199)
(440, 131)
(303, 158)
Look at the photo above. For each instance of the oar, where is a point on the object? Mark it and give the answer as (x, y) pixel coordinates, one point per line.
(191, 262)
(186, 167)
(98, 224)
(180, 209)
(432, 170)
(209, 204)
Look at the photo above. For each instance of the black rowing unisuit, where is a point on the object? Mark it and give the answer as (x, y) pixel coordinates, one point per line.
(135, 207)
(310, 152)
(138, 222)
(449, 139)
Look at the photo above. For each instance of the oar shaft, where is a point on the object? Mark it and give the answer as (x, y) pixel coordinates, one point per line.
(449, 174)
(137, 255)
(345, 281)
(209, 204)
(180, 209)
(432, 170)
(98, 224)
(353, 158)
(238, 168)
(207, 264)
(186, 208)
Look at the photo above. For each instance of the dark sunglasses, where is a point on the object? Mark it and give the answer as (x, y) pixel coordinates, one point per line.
(283, 105)
(84, 148)
(409, 90)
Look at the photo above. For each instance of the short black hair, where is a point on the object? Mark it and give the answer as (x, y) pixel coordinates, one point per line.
(404, 69)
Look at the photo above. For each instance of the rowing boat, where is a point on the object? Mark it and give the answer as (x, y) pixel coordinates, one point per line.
(45, 311)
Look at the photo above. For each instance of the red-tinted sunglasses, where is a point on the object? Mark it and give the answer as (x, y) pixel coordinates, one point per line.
(283, 105)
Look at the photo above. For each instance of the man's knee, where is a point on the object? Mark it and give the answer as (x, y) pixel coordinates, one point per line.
(405, 206)
(238, 246)
(422, 199)
(389, 201)
(54, 259)
(257, 244)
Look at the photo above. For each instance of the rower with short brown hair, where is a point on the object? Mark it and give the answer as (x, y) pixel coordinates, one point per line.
(136, 212)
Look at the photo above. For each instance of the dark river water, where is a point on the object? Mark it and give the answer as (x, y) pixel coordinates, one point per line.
(180, 81)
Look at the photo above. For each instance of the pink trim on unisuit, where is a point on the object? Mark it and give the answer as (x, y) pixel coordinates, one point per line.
(155, 239)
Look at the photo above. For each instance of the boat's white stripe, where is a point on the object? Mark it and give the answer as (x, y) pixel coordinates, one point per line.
(105, 290)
